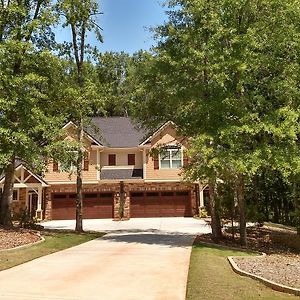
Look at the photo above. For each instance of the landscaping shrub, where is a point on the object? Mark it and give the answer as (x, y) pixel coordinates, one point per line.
(25, 220)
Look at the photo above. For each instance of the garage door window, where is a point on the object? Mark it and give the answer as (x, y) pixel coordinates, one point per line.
(171, 158)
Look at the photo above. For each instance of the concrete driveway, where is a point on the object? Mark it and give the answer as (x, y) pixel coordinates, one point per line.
(178, 225)
(138, 259)
(127, 266)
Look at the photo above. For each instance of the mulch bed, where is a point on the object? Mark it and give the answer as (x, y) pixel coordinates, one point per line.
(11, 238)
(282, 263)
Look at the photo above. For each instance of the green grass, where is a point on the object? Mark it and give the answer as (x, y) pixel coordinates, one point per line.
(211, 277)
(54, 242)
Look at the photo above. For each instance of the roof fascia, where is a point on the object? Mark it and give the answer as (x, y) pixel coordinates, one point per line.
(87, 134)
(160, 129)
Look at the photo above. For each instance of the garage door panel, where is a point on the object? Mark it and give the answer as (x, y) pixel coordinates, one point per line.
(94, 206)
(160, 204)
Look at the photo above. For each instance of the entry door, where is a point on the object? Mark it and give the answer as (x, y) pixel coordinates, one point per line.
(32, 204)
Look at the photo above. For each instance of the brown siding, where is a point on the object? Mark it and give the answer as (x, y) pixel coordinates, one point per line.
(167, 136)
(88, 175)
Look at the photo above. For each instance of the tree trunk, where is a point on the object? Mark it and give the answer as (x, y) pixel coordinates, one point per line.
(78, 227)
(241, 204)
(7, 196)
(215, 216)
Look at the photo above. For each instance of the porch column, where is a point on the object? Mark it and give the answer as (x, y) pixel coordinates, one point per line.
(144, 163)
(39, 211)
(201, 196)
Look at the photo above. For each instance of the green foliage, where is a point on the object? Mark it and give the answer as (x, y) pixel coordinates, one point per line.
(203, 212)
(227, 73)
(26, 220)
(30, 81)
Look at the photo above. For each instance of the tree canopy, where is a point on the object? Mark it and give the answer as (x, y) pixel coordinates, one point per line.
(227, 73)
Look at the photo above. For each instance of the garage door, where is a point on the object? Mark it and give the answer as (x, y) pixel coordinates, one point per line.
(95, 206)
(160, 204)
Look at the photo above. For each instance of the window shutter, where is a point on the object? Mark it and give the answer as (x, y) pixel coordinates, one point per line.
(55, 166)
(185, 160)
(86, 164)
(156, 163)
(131, 159)
(111, 159)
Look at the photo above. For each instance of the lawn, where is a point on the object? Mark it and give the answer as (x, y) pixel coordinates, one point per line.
(211, 277)
(54, 241)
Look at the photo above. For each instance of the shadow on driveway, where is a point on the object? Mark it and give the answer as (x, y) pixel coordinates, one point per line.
(152, 238)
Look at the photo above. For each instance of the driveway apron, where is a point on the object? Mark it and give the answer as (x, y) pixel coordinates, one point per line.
(127, 265)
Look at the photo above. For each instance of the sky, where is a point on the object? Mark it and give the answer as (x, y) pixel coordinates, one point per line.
(124, 24)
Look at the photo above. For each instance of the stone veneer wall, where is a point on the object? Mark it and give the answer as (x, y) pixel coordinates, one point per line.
(17, 206)
(128, 187)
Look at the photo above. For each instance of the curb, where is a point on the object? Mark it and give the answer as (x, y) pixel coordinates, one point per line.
(42, 239)
(275, 286)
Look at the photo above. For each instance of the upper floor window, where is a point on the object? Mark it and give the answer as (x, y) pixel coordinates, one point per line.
(70, 163)
(111, 159)
(131, 159)
(171, 158)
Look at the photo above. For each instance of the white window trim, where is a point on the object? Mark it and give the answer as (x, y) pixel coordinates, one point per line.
(168, 147)
(72, 169)
(18, 196)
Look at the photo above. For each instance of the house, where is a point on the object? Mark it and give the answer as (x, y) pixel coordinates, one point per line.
(123, 176)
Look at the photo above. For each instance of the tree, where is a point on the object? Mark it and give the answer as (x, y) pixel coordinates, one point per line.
(228, 70)
(26, 88)
(80, 17)
(112, 74)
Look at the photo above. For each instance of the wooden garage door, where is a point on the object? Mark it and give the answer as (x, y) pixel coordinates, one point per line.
(95, 206)
(160, 204)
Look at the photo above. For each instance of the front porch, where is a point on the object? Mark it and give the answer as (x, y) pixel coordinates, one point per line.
(30, 199)
(28, 194)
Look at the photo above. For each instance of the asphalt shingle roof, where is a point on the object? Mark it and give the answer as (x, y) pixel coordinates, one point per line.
(18, 162)
(116, 132)
(121, 174)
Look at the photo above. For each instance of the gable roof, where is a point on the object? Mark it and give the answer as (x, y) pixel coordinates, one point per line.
(90, 137)
(119, 132)
(158, 131)
(18, 164)
(116, 132)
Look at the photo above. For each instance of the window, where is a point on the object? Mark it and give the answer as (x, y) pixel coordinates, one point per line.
(137, 194)
(70, 164)
(167, 194)
(106, 195)
(111, 159)
(68, 167)
(93, 196)
(131, 159)
(152, 194)
(16, 195)
(171, 158)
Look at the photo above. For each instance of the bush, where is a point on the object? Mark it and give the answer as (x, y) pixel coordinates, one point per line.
(203, 212)
(27, 221)
(254, 215)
